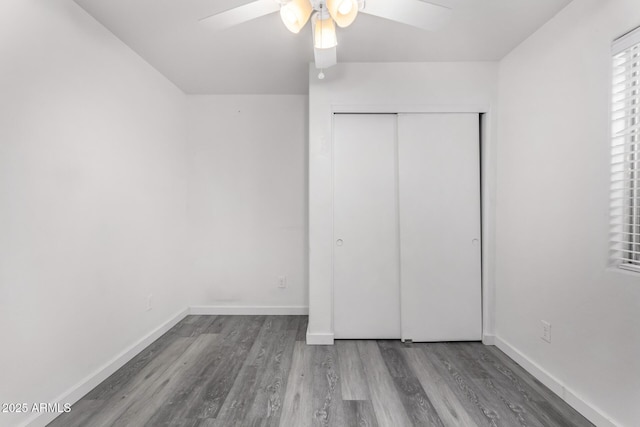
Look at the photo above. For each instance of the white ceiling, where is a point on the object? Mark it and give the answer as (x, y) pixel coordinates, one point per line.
(261, 56)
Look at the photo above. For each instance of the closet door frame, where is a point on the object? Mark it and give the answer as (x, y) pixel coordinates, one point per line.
(484, 186)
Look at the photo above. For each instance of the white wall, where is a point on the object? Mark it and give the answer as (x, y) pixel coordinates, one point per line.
(391, 87)
(247, 199)
(92, 199)
(552, 212)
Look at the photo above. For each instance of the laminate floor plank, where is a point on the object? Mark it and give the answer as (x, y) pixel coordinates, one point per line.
(266, 409)
(186, 423)
(547, 400)
(297, 409)
(387, 404)
(461, 387)
(302, 328)
(185, 396)
(419, 408)
(326, 397)
(263, 347)
(162, 391)
(397, 366)
(237, 403)
(360, 413)
(237, 371)
(203, 394)
(517, 391)
(114, 383)
(195, 326)
(82, 412)
(450, 409)
(140, 397)
(291, 323)
(256, 396)
(353, 382)
(218, 324)
(236, 406)
(137, 387)
(515, 402)
(466, 376)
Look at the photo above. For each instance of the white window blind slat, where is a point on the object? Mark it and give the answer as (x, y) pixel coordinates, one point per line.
(628, 89)
(635, 234)
(628, 232)
(620, 144)
(622, 75)
(628, 131)
(625, 153)
(623, 242)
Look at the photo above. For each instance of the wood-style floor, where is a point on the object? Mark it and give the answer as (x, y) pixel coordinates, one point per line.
(227, 371)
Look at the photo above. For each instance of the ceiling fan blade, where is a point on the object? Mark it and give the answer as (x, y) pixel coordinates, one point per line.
(325, 58)
(416, 13)
(240, 14)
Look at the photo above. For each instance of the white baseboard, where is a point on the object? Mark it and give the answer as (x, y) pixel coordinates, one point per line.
(87, 384)
(488, 339)
(589, 411)
(248, 310)
(319, 339)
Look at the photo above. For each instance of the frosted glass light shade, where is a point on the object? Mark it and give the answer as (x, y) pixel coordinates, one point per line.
(344, 12)
(325, 58)
(295, 14)
(324, 33)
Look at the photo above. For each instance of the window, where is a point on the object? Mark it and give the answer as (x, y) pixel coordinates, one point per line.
(625, 153)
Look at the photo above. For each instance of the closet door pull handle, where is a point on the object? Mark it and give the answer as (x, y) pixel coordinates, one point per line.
(339, 242)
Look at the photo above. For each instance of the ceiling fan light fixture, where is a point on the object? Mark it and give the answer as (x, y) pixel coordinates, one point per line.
(324, 32)
(345, 7)
(295, 14)
(344, 12)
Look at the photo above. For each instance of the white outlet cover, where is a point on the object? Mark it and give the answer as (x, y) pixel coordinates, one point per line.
(546, 331)
(282, 281)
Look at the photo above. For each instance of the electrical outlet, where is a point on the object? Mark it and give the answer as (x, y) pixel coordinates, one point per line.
(282, 281)
(149, 302)
(546, 331)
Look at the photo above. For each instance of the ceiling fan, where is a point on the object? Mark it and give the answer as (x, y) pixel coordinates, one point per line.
(326, 14)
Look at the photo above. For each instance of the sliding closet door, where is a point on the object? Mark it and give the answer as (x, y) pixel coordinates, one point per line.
(439, 198)
(366, 266)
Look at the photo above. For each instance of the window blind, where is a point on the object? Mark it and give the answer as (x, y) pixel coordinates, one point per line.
(625, 153)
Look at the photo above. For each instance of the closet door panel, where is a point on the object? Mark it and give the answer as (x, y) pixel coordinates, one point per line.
(366, 266)
(439, 208)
